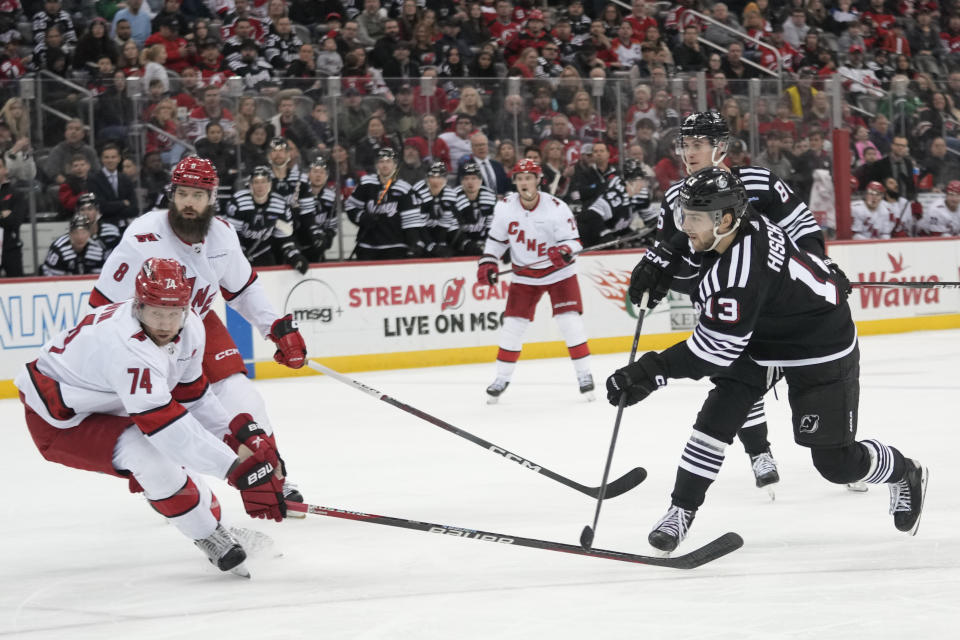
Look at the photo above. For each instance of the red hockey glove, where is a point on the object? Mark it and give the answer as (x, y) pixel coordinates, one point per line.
(291, 349)
(487, 273)
(260, 488)
(916, 209)
(560, 255)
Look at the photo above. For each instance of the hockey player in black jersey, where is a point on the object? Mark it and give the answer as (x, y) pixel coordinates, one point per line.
(325, 216)
(436, 202)
(702, 143)
(384, 209)
(107, 233)
(76, 252)
(764, 301)
(291, 183)
(264, 223)
(474, 211)
(614, 210)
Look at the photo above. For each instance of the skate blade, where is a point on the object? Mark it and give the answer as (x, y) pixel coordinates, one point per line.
(771, 492)
(857, 487)
(658, 553)
(588, 396)
(240, 570)
(925, 475)
(492, 399)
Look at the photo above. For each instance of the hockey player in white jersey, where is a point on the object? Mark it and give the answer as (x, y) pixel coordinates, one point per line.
(942, 218)
(209, 249)
(870, 218)
(541, 235)
(123, 393)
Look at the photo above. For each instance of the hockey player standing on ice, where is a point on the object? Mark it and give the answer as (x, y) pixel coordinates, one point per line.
(384, 208)
(612, 213)
(436, 202)
(541, 235)
(762, 298)
(264, 223)
(474, 211)
(123, 393)
(702, 143)
(209, 249)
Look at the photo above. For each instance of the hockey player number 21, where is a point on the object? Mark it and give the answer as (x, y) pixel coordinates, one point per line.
(827, 290)
(143, 378)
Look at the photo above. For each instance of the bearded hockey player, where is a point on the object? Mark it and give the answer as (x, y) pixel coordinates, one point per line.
(702, 143)
(123, 393)
(210, 251)
(540, 233)
(764, 301)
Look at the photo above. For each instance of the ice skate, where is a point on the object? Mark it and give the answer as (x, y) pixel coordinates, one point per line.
(906, 497)
(672, 529)
(765, 472)
(857, 487)
(586, 386)
(224, 551)
(494, 390)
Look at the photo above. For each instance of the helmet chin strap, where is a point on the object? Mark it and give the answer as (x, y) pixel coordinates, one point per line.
(717, 236)
(715, 159)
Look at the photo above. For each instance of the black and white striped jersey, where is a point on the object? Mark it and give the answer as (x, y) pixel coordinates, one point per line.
(474, 217)
(261, 227)
(612, 213)
(295, 189)
(280, 51)
(767, 298)
(770, 196)
(440, 225)
(388, 216)
(325, 215)
(63, 260)
(109, 236)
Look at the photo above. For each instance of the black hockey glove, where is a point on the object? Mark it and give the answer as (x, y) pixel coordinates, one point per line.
(441, 250)
(654, 273)
(298, 262)
(319, 239)
(636, 381)
(839, 278)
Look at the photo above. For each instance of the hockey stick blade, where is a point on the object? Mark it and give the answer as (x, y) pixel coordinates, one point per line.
(619, 486)
(725, 544)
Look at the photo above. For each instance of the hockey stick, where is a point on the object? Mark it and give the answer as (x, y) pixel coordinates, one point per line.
(933, 284)
(727, 543)
(586, 536)
(619, 486)
(597, 247)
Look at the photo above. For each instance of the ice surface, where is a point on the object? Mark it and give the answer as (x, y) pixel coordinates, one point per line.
(82, 558)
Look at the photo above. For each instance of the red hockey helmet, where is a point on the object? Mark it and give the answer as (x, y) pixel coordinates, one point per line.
(527, 166)
(953, 186)
(195, 172)
(875, 186)
(162, 282)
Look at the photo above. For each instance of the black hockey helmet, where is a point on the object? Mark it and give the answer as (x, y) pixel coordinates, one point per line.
(388, 153)
(87, 200)
(80, 221)
(632, 170)
(705, 124)
(279, 142)
(437, 169)
(472, 169)
(261, 171)
(714, 191)
(319, 163)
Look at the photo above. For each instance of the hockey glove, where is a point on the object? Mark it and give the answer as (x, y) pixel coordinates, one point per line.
(654, 273)
(291, 349)
(916, 210)
(260, 488)
(319, 239)
(471, 248)
(636, 381)
(560, 256)
(441, 250)
(839, 278)
(487, 271)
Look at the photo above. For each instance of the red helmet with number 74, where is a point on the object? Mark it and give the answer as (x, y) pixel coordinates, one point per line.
(527, 166)
(195, 172)
(162, 282)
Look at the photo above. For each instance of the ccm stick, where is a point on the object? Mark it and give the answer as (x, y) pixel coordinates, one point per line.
(709, 552)
(619, 486)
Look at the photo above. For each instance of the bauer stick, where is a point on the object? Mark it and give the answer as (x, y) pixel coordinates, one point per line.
(621, 485)
(586, 536)
(933, 284)
(597, 247)
(727, 543)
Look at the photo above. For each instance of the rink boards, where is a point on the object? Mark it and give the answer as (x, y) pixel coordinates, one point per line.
(365, 316)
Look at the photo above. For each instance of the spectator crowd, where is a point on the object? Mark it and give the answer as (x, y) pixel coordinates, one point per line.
(312, 107)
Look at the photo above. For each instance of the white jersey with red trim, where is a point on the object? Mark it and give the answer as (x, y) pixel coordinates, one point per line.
(529, 233)
(215, 264)
(870, 224)
(107, 364)
(938, 220)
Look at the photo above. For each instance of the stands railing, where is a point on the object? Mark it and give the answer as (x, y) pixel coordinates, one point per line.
(88, 96)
